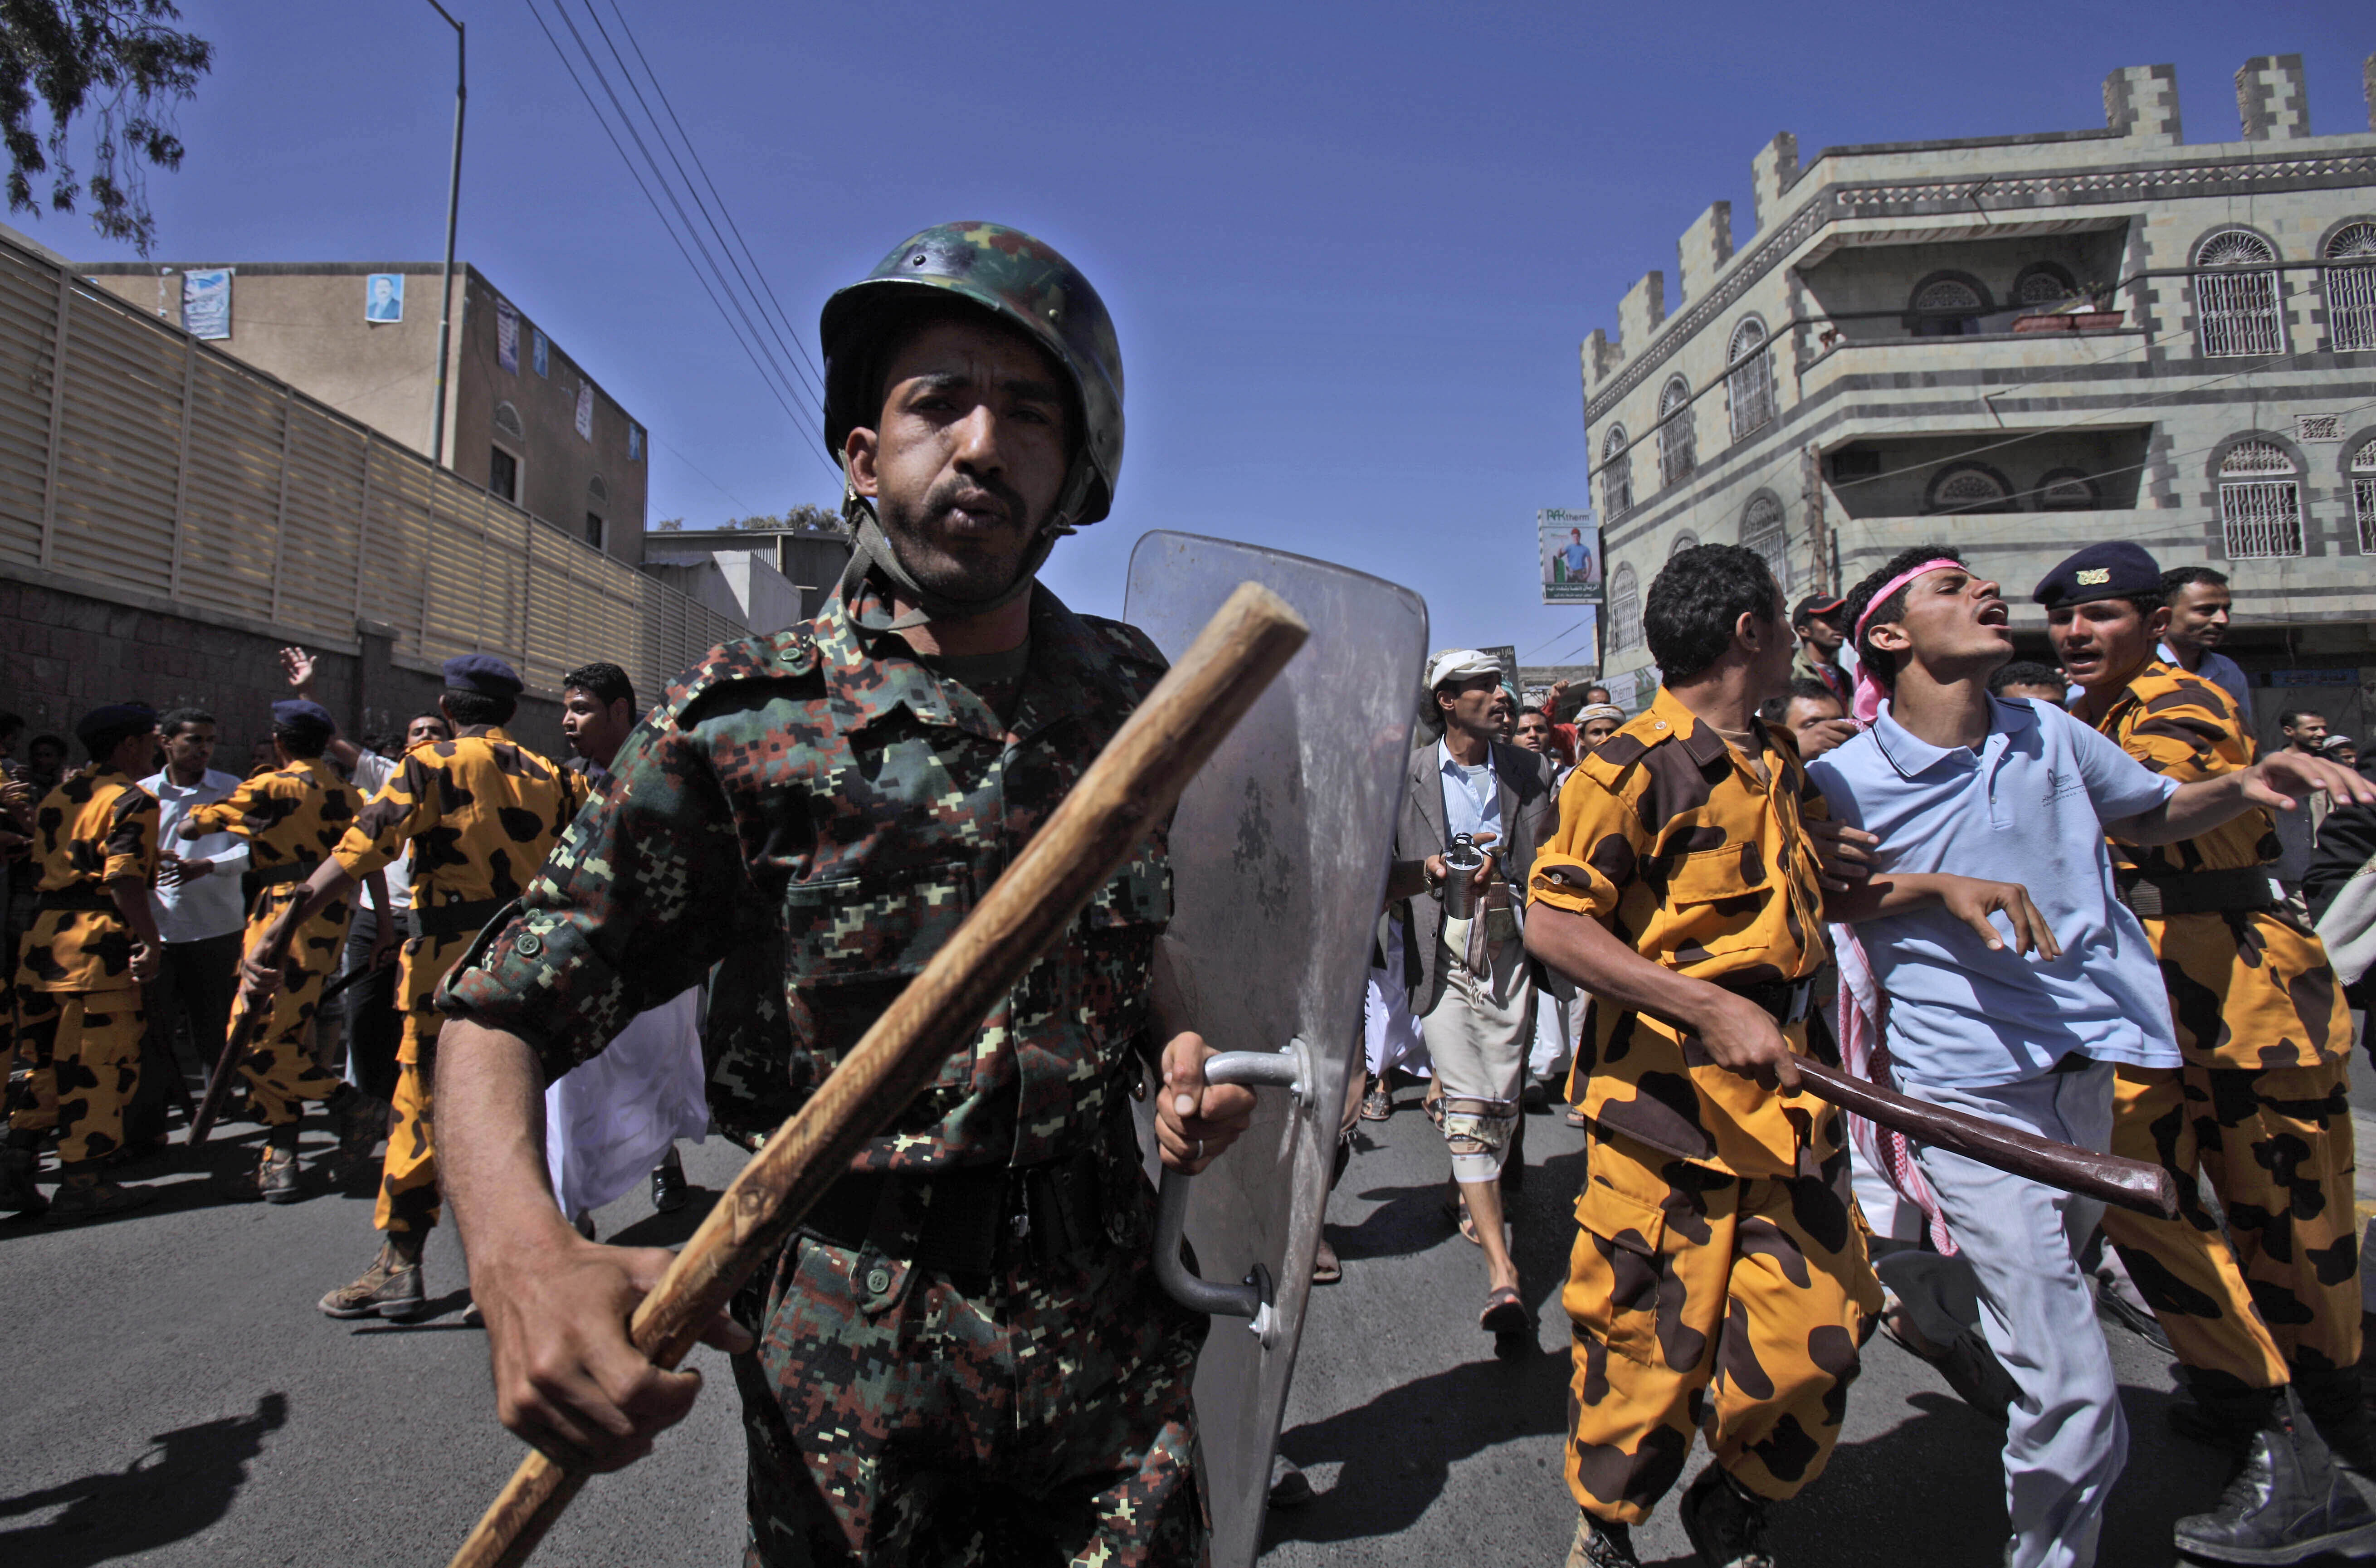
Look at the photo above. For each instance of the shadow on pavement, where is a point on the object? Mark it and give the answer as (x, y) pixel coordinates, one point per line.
(668, 1230)
(182, 1486)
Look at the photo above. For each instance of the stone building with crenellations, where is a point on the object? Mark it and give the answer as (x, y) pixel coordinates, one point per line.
(2020, 344)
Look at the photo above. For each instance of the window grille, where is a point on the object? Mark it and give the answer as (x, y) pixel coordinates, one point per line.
(1948, 295)
(2066, 489)
(2261, 517)
(1684, 540)
(1624, 610)
(1761, 529)
(1678, 454)
(2363, 497)
(1616, 474)
(1968, 487)
(1748, 384)
(507, 420)
(596, 490)
(2043, 283)
(2351, 287)
(2237, 308)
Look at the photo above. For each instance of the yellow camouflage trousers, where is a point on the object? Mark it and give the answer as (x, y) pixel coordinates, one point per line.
(2277, 1148)
(81, 1054)
(408, 1177)
(278, 1064)
(1720, 1303)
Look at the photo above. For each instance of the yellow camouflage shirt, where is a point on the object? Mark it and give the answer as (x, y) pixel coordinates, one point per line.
(481, 812)
(1668, 837)
(291, 817)
(2248, 988)
(96, 827)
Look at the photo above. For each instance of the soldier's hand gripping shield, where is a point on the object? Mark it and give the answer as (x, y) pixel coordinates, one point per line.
(1280, 854)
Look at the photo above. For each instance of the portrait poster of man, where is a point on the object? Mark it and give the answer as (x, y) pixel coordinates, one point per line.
(543, 350)
(205, 303)
(507, 335)
(384, 297)
(1571, 550)
(586, 409)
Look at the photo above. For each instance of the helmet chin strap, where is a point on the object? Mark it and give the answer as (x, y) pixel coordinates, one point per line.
(873, 551)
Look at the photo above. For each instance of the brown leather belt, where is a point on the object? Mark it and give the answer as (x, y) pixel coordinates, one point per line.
(972, 1220)
(2156, 897)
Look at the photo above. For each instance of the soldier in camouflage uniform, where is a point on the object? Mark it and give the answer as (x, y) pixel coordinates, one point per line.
(963, 1357)
(480, 811)
(92, 946)
(290, 818)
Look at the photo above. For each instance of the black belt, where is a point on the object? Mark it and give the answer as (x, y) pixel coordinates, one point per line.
(443, 922)
(82, 899)
(2155, 898)
(1787, 1001)
(970, 1220)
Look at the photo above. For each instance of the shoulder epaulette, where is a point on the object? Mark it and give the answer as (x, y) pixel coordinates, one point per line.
(789, 653)
(1128, 641)
(1607, 764)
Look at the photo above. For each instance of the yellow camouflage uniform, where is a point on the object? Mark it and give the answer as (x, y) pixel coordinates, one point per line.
(78, 1007)
(1719, 1279)
(292, 818)
(2261, 1104)
(481, 812)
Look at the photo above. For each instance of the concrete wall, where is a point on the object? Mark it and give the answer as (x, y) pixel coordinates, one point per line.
(62, 654)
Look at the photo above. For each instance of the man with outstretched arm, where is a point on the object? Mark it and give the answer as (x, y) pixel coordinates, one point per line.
(2260, 1105)
(963, 1354)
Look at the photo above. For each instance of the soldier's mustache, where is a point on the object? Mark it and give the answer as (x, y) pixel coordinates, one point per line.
(975, 495)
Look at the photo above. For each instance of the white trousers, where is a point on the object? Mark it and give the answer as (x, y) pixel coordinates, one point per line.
(1390, 1036)
(608, 1121)
(2067, 1438)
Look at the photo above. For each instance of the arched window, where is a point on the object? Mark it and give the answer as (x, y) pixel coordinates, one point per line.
(2067, 490)
(1616, 474)
(2237, 306)
(1749, 384)
(1624, 611)
(1965, 487)
(2363, 495)
(2260, 502)
(508, 421)
(1677, 453)
(1684, 540)
(1761, 529)
(2043, 285)
(595, 491)
(1946, 304)
(2351, 287)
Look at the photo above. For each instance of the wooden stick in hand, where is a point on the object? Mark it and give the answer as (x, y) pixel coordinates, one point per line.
(1130, 788)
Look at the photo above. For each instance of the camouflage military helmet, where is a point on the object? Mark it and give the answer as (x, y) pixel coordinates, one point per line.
(1018, 279)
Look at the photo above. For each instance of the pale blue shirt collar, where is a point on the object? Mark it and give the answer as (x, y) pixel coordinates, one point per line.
(1912, 755)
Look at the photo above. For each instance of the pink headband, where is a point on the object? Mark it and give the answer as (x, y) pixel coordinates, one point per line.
(1865, 705)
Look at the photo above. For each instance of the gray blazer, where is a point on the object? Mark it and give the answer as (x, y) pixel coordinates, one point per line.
(1529, 817)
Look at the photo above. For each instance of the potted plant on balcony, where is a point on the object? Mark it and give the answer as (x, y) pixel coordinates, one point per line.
(2097, 316)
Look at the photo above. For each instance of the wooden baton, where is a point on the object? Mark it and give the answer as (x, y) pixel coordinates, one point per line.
(243, 1030)
(2131, 1184)
(1133, 784)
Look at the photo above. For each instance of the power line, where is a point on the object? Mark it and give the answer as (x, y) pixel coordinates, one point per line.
(747, 509)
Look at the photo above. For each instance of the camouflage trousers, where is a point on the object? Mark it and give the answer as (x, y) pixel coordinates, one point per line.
(278, 1065)
(1041, 1415)
(80, 1051)
(408, 1176)
(2283, 1286)
(1703, 1302)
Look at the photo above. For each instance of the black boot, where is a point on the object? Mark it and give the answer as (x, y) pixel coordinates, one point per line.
(1725, 1522)
(2331, 1398)
(18, 1193)
(2289, 1502)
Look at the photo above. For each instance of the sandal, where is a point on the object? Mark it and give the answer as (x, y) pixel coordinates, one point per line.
(1325, 1267)
(1377, 1105)
(1575, 1117)
(1505, 1313)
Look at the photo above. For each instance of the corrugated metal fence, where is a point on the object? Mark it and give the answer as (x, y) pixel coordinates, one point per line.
(154, 463)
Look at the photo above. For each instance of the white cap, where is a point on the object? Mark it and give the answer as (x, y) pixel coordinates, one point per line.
(1460, 664)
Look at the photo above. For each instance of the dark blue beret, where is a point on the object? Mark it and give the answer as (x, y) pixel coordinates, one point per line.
(483, 673)
(299, 714)
(2113, 570)
(114, 716)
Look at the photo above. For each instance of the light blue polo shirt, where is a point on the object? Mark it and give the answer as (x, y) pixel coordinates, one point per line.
(2028, 807)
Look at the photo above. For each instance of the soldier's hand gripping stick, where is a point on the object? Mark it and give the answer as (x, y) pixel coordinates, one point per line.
(1131, 787)
(2131, 1184)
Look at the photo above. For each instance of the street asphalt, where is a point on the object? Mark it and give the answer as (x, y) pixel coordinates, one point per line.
(173, 1396)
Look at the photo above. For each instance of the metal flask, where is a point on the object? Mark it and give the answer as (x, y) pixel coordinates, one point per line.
(1460, 866)
(1279, 854)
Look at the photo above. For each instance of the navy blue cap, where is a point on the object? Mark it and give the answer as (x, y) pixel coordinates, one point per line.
(114, 716)
(298, 714)
(483, 673)
(2113, 570)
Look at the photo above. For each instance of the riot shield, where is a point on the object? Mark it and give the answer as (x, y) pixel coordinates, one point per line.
(1279, 854)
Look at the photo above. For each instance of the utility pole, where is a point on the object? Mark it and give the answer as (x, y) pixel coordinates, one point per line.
(452, 210)
(1819, 541)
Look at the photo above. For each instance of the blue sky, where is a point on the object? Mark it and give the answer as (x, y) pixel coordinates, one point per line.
(1350, 249)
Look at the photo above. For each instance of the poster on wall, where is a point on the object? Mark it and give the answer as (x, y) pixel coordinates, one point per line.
(635, 442)
(206, 303)
(506, 335)
(1506, 655)
(586, 410)
(1571, 553)
(384, 297)
(543, 349)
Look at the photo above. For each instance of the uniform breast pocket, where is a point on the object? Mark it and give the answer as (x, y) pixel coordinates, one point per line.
(870, 928)
(1717, 896)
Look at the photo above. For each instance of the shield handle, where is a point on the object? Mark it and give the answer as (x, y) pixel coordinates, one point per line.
(1289, 1068)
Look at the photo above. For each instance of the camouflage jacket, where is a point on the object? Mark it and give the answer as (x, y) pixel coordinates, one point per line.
(2249, 989)
(96, 827)
(291, 818)
(817, 810)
